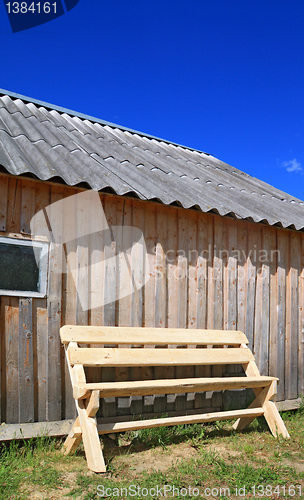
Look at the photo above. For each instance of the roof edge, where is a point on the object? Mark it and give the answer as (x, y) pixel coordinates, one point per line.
(83, 116)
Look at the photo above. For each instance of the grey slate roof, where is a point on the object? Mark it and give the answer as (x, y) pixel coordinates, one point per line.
(50, 142)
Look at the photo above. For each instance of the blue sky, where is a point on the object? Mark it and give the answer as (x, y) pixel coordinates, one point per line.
(225, 77)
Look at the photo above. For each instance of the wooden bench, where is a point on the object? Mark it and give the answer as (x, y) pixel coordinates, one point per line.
(219, 348)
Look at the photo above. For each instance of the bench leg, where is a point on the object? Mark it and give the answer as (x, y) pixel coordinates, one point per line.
(271, 414)
(86, 422)
(73, 440)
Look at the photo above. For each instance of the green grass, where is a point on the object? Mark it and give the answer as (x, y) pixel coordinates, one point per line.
(214, 456)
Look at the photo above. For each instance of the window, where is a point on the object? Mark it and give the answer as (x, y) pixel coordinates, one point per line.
(23, 267)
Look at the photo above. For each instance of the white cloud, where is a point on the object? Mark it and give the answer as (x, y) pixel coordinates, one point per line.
(292, 165)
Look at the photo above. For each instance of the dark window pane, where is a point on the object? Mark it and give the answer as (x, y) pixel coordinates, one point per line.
(18, 268)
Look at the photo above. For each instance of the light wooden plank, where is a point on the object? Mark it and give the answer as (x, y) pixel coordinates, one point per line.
(263, 347)
(301, 321)
(160, 256)
(54, 394)
(124, 281)
(156, 357)
(10, 355)
(288, 331)
(26, 361)
(202, 270)
(14, 205)
(138, 274)
(42, 328)
(110, 288)
(27, 206)
(293, 339)
(258, 319)
(150, 287)
(274, 299)
(283, 246)
(189, 419)
(137, 264)
(111, 259)
(242, 241)
(69, 293)
(253, 243)
(171, 386)
(96, 274)
(230, 298)
(27, 431)
(3, 201)
(153, 336)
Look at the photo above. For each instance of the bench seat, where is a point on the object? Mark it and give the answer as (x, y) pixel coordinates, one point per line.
(169, 386)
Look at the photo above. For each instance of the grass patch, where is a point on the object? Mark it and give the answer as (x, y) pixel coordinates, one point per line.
(186, 458)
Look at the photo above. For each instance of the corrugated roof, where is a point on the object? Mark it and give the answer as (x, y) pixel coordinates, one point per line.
(50, 142)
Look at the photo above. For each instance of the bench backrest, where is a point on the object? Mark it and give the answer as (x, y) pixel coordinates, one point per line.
(125, 355)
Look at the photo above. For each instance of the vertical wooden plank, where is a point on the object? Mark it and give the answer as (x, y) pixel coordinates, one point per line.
(274, 299)
(230, 290)
(110, 289)
(292, 317)
(211, 287)
(10, 355)
(54, 395)
(41, 331)
(172, 288)
(192, 240)
(161, 291)
(230, 300)
(182, 311)
(124, 285)
(301, 318)
(26, 361)
(283, 248)
(138, 265)
(263, 311)
(27, 205)
(82, 252)
(202, 270)
(252, 268)
(14, 205)
(150, 288)
(258, 324)
(3, 201)
(161, 288)
(110, 263)
(69, 294)
(97, 277)
(172, 268)
(242, 276)
(192, 270)
(218, 308)
(138, 273)
(203, 247)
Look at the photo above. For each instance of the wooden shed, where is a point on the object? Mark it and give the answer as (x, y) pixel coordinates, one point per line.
(224, 250)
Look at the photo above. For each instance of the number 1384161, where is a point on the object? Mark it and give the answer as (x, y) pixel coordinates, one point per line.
(34, 8)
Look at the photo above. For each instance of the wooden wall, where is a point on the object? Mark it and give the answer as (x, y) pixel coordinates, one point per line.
(206, 271)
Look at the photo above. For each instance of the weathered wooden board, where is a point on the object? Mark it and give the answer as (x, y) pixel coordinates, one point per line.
(26, 361)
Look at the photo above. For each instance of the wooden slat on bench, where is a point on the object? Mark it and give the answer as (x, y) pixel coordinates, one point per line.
(174, 386)
(157, 357)
(152, 336)
(188, 419)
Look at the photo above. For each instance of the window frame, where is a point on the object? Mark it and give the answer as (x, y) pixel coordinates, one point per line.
(43, 267)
